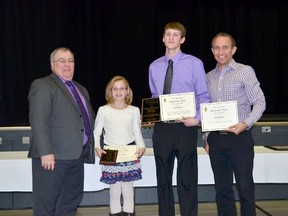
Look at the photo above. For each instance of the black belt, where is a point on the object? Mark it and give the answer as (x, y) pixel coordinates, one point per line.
(171, 121)
(222, 132)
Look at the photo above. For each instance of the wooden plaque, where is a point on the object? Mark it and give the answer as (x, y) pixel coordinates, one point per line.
(109, 158)
(150, 110)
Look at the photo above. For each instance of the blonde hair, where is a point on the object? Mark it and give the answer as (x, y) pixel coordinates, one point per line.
(108, 91)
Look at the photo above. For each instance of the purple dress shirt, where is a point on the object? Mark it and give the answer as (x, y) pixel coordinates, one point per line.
(188, 76)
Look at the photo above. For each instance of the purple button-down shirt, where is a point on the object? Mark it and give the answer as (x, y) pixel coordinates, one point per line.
(188, 76)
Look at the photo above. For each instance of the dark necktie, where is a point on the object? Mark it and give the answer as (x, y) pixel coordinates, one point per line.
(81, 107)
(168, 78)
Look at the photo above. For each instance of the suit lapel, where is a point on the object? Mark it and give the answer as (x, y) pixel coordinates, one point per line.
(64, 89)
(66, 92)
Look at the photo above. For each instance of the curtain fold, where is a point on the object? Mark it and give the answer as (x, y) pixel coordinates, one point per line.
(124, 37)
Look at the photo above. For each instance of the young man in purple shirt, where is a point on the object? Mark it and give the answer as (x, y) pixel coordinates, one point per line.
(177, 139)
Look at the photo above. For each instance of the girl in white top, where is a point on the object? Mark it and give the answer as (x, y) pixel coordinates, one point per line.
(122, 126)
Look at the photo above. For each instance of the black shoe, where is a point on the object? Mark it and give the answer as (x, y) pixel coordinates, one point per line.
(128, 214)
(116, 214)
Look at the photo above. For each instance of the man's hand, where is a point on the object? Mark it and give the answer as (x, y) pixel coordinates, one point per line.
(206, 147)
(147, 124)
(189, 121)
(48, 162)
(237, 128)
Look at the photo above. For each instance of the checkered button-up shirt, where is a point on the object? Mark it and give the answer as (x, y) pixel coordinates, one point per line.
(238, 82)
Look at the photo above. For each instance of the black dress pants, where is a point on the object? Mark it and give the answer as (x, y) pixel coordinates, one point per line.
(58, 192)
(170, 141)
(230, 153)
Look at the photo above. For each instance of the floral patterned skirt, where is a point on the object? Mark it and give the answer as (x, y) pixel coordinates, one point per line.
(125, 172)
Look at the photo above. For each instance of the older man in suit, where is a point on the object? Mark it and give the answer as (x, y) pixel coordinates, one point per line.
(61, 137)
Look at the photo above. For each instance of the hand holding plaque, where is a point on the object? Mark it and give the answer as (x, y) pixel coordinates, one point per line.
(125, 152)
(168, 107)
(109, 158)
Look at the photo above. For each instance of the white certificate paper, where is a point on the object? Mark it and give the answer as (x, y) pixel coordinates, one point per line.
(125, 153)
(218, 116)
(177, 106)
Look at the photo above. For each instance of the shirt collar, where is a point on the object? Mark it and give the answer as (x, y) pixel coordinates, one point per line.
(175, 58)
(231, 66)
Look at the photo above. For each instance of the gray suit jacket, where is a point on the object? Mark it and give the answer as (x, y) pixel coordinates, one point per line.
(56, 122)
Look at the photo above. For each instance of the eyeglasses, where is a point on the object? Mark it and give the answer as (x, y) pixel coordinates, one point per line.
(64, 61)
(118, 89)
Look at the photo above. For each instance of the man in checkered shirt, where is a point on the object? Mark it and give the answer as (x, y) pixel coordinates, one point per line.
(232, 151)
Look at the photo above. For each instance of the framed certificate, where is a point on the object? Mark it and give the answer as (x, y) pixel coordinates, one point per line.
(177, 106)
(218, 116)
(125, 153)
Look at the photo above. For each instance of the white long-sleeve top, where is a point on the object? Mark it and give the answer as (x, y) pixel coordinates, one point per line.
(121, 126)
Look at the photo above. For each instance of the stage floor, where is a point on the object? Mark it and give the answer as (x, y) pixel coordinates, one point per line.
(264, 208)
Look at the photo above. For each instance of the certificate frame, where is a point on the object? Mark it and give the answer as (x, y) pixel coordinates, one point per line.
(218, 116)
(125, 153)
(177, 106)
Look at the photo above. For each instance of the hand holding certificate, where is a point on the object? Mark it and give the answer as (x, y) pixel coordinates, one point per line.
(218, 116)
(125, 153)
(168, 107)
(177, 106)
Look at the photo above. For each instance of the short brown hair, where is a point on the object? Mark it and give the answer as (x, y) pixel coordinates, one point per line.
(176, 26)
(224, 34)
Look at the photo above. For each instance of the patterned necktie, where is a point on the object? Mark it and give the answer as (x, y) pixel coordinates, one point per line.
(168, 78)
(81, 107)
